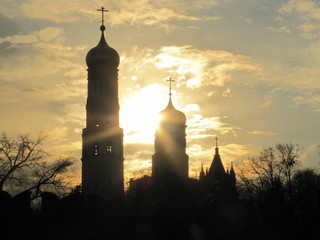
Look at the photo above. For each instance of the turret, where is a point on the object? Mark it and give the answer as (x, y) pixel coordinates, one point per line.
(216, 170)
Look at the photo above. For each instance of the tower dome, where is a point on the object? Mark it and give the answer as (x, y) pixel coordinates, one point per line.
(102, 54)
(172, 115)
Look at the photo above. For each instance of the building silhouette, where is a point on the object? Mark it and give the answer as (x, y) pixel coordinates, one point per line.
(216, 178)
(180, 207)
(170, 165)
(102, 149)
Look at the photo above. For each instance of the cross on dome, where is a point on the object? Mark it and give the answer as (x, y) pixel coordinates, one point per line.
(170, 80)
(102, 10)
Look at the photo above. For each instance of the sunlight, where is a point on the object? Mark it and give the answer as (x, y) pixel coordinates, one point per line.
(139, 113)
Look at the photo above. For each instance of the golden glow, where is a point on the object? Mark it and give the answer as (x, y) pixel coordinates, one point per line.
(139, 113)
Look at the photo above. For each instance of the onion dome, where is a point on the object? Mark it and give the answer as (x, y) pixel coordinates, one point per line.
(172, 115)
(102, 54)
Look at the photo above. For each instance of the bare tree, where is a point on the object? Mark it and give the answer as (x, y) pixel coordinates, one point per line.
(246, 186)
(22, 165)
(17, 155)
(288, 156)
(51, 177)
(266, 168)
(272, 169)
(306, 187)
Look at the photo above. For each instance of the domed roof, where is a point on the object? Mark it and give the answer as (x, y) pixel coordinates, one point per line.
(102, 54)
(172, 115)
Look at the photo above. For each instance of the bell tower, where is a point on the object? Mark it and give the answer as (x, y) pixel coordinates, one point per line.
(102, 138)
(170, 161)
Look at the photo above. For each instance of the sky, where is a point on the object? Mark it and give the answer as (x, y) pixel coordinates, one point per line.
(245, 71)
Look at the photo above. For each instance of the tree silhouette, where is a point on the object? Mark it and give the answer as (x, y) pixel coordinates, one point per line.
(23, 166)
(288, 156)
(272, 168)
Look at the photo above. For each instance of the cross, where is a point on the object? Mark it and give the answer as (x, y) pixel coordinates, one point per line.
(170, 80)
(102, 10)
(216, 141)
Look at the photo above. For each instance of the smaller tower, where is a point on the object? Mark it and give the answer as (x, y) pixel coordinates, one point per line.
(216, 170)
(217, 181)
(232, 177)
(232, 173)
(170, 160)
(202, 174)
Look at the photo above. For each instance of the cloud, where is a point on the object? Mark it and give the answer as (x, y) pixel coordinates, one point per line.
(190, 67)
(306, 8)
(47, 34)
(35, 58)
(191, 108)
(198, 67)
(144, 12)
(308, 12)
(282, 29)
(267, 104)
(72, 113)
(203, 127)
(310, 157)
(138, 158)
(262, 132)
(53, 10)
(312, 99)
(57, 134)
(300, 81)
(309, 30)
(227, 92)
(44, 86)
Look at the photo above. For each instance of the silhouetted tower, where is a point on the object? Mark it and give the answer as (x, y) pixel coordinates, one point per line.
(217, 181)
(232, 175)
(102, 139)
(216, 170)
(170, 160)
(202, 173)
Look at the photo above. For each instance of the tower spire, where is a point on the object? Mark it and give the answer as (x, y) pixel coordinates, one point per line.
(170, 80)
(217, 148)
(102, 10)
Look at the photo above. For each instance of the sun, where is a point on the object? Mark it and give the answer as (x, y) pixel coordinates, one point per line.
(139, 113)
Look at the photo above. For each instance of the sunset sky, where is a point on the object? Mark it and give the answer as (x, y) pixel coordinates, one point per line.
(246, 71)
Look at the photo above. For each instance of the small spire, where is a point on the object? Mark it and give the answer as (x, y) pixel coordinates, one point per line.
(217, 148)
(202, 174)
(231, 169)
